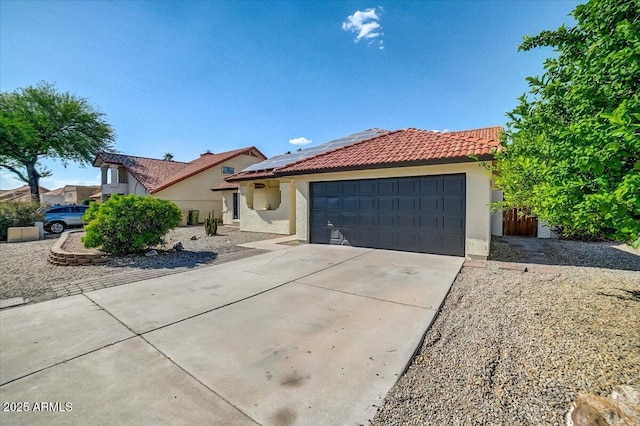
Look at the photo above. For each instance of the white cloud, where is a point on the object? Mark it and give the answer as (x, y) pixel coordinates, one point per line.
(365, 24)
(300, 141)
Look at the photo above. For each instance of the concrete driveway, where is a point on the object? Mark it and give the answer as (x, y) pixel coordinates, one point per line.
(305, 335)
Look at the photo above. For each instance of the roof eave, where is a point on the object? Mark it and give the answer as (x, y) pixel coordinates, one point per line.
(484, 157)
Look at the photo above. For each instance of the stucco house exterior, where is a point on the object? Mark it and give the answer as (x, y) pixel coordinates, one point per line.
(411, 189)
(188, 185)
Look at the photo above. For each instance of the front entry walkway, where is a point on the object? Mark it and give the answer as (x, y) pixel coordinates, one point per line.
(306, 335)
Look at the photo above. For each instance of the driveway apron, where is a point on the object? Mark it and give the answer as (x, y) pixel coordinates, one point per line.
(311, 334)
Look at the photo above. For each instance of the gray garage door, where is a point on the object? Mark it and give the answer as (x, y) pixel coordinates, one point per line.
(422, 214)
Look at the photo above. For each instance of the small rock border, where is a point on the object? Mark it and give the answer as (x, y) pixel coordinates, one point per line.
(61, 257)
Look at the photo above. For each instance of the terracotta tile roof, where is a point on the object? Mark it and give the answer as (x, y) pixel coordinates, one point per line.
(224, 186)
(150, 172)
(409, 146)
(491, 133)
(206, 161)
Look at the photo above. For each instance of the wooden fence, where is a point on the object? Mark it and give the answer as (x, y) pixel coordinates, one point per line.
(520, 222)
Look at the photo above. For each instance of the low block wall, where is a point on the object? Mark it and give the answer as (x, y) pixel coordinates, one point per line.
(59, 256)
(18, 234)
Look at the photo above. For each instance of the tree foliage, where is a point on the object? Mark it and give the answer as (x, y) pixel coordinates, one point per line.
(37, 122)
(572, 148)
(129, 223)
(14, 213)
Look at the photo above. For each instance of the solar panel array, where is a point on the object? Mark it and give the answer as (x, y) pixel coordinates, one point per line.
(286, 159)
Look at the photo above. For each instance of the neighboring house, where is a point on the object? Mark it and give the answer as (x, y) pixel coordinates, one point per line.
(188, 185)
(76, 194)
(55, 196)
(21, 194)
(411, 190)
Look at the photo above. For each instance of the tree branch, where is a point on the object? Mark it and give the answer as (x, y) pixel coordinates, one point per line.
(16, 171)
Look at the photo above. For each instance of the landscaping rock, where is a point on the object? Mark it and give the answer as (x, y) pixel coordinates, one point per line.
(621, 409)
(151, 253)
(195, 237)
(178, 246)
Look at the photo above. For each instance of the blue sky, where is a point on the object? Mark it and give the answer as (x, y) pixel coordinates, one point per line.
(189, 76)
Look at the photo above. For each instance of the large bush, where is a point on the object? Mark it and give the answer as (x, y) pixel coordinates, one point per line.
(16, 214)
(130, 223)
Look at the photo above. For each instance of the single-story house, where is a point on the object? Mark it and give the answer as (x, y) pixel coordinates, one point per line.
(186, 184)
(411, 189)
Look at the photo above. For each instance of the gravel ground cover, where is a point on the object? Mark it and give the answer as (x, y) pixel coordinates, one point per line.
(25, 271)
(515, 348)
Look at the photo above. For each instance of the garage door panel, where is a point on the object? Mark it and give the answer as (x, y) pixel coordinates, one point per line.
(350, 219)
(408, 221)
(350, 188)
(431, 204)
(387, 187)
(452, 245)
(333, 203)
(453, 185)
(388, 220)
(368, 204)
(423, 214)
(318, 203)
(453, 224)
(332, 189)
(319, 219)
(368, 219)
(368, 187)
(334, 218)
(350, 204)
(453, 205)
(388, 204)
(430, 222)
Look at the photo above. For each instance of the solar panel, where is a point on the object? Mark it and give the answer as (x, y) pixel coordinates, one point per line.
(286, 159)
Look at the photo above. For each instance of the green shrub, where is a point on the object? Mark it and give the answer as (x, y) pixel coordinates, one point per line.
(16, 214)
(130, 223)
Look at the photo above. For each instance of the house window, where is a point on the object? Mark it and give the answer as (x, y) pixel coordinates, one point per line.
(236, 210)
(227, 170)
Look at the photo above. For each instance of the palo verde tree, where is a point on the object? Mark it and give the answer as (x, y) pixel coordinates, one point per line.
(38, 122)
(572, 146)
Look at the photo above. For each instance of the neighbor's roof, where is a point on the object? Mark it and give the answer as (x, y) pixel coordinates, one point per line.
(206, 161)
(268, 167)
(16, 193)
(150, 172)
(225, 186)
(58, 191)
(401, 148)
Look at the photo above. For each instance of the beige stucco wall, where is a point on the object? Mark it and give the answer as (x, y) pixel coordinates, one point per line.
(275, 221)
(478, 188)
(194, 193)
(227, 207)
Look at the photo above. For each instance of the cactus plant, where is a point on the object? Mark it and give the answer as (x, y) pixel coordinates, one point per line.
(210, 225)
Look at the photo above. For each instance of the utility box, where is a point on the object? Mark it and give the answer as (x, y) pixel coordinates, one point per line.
(194, 217)
(21, 234)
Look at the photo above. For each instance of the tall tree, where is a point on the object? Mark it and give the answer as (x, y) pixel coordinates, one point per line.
(168, 156)
(572, 148)
(40, 122)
